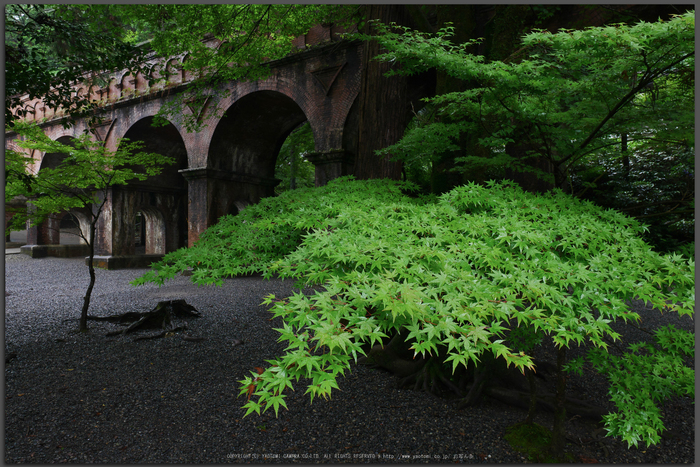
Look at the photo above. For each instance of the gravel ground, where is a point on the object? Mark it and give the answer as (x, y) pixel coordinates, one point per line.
(89, 398)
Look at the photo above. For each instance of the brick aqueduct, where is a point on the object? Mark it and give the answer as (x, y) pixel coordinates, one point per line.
(219, 170)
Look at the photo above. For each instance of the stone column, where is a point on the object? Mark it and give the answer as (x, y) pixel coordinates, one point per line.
(45, 233)
(103, 230)
(121, 227)
(213, 193)
(330, 164)
(198, 201)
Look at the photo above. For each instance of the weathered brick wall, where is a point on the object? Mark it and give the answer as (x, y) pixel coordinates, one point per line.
(230, 162)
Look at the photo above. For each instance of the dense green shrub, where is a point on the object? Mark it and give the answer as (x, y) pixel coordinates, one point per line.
(455, 272)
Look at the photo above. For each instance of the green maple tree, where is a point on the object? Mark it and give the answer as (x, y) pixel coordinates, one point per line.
(81, 181)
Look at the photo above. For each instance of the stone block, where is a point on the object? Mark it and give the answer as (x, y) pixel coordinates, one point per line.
(124, 261)
(59, 251)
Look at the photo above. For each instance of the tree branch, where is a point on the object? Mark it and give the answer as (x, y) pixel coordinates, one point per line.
(646, 79)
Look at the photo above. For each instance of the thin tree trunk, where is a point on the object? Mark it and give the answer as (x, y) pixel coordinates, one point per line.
(82, 327)
(383, 103)
(559, 429)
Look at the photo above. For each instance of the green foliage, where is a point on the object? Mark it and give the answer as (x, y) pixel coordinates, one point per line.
(654, 184)
(50, 48)
(457, 272)
(660, 371)
(291, 166)
(563, 96)
(265, 232)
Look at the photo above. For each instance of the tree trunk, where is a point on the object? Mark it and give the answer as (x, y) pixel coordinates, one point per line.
(383, 103)
(82, 326)
(463, 19)
(528, 181)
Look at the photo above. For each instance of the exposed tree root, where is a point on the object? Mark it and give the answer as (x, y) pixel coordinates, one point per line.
(161, 317)
(391, 357)
(431, 378)
(491, 377)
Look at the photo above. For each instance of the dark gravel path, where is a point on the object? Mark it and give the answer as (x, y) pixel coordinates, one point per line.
(93, 399)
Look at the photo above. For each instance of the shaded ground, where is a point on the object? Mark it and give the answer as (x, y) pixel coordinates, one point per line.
(90, 398)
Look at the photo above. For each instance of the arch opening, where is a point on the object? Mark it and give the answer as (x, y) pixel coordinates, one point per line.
(248, 138)
(292, 167)
(149, 232)
(152, 213)
(69, 230)
(58, 228)
(245, 149)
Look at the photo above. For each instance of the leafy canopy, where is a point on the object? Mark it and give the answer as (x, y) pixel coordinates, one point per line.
(564, 96)
(457, 272)
(49, 49)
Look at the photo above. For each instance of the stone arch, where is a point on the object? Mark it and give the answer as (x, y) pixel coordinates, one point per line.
(52, 160)
(83, 222)
(186, 75)
(49, 112)
(161, 198)
(73, 226)
(173, 74)
(29, 112)
(247, 139)
(49, 231)
(154, 229)
(166, 140)
(243, 150)
(81, 93)
(299, 94)
(95, 93)
(39, 111)
(157, 77)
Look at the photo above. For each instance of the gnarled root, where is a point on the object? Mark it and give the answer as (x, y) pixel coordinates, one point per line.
(161, 317)
(431, 378)
(482, 376)
(394, 357)
(491, 377)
